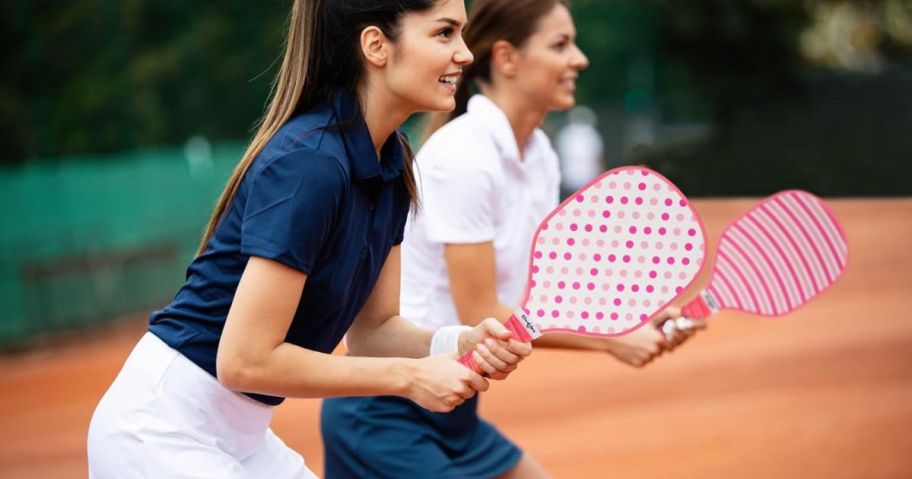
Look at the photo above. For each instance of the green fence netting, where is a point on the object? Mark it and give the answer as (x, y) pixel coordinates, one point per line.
(83, 240)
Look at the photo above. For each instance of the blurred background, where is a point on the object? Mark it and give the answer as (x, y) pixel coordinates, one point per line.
(121, 121)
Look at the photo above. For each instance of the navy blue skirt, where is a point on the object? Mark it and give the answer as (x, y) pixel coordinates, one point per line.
(389, 437)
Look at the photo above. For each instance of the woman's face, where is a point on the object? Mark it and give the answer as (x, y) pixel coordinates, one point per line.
(428, 57)
(550, 61)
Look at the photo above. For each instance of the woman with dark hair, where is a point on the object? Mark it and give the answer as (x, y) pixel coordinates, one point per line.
(303, 247)
(488, 176)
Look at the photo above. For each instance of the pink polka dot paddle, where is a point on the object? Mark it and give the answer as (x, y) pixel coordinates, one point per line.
(609, 258)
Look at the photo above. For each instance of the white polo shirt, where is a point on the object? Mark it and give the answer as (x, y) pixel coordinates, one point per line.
(474, 189)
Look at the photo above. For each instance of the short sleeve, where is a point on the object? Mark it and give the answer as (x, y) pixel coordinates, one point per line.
(291, 208)
(457, 196)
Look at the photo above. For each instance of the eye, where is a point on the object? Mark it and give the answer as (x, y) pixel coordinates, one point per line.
(446, 33)
(561, 45)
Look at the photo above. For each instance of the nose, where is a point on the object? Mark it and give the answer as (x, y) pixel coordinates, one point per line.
(579, 61)
(463, 55)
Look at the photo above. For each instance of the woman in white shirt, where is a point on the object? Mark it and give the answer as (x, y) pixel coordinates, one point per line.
(465, 254)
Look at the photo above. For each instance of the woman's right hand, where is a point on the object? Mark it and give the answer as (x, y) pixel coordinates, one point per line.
(440, 383)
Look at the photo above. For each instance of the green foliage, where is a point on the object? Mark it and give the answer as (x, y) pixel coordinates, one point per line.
(734, 54)
(104, 75)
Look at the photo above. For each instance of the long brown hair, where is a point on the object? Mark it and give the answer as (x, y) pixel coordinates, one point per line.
(322, 54)
(489, 21)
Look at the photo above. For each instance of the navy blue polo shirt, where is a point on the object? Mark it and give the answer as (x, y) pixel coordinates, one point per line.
(316, 199)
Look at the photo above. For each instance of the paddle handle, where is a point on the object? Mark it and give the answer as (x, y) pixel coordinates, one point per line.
(518, 324)
(702, 306)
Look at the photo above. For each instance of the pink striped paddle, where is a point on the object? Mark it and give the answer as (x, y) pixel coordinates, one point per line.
(774, 259)
(609, 258)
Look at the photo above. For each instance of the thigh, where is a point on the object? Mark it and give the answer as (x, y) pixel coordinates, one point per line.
(177, 456)
(149, 448)
(275, 460)
(370, 437)
(165, 417)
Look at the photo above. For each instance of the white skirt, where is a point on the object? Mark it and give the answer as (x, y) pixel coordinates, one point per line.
(164, 417)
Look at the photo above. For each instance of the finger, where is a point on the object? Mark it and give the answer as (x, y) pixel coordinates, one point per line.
(499, 350)
(476, 382)
(496, 329)
(691, 324)
(670, 331)
(662, 343)
(519, 348)
(493, 360)
(487, 369)
(684, 324)
(686, 328)
(483, 368)
(666, 314)
(464, 391)
(454, 400)
(696, 324)
(497, 375)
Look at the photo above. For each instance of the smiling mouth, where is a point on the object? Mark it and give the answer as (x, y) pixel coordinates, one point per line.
(450, 79)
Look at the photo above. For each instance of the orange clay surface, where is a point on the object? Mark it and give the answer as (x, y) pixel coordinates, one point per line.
(823, 393)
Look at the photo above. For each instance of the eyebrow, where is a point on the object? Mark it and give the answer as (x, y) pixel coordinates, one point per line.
(450, 21)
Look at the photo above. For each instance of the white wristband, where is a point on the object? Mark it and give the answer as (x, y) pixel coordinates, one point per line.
(446, 339)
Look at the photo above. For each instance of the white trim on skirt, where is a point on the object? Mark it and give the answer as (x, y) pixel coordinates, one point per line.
(165, 417)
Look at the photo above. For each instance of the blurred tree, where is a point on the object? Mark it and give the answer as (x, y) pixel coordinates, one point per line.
(736, 54)
(798, 95)
(105, 75)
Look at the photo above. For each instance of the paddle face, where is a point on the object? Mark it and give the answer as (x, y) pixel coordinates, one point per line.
(779, 255)
(613, 255)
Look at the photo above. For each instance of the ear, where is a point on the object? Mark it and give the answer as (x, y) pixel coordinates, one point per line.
(374, 46)
(504, 58)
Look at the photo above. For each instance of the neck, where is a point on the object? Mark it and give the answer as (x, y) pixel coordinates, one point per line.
(523, 117)
(382, 114)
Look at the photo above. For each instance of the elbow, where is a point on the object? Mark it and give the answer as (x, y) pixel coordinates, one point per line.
(354, 343)
(235, 374)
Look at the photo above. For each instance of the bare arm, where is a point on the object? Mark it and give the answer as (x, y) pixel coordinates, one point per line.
(254, 357)
(472, 273)
(378, 329)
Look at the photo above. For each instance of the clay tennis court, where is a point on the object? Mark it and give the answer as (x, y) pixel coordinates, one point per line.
(823, 393)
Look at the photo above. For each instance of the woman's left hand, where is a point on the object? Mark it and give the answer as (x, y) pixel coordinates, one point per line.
(495, 351)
